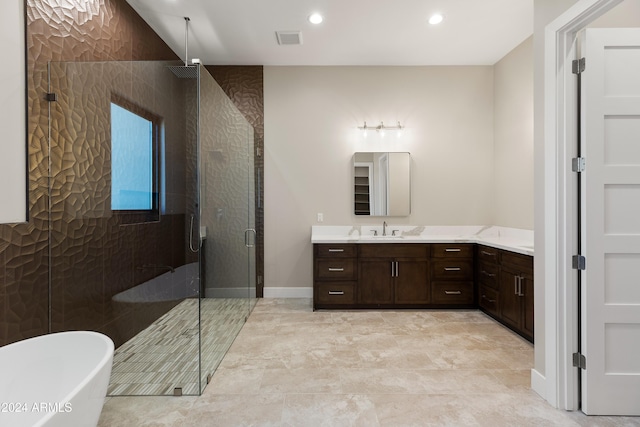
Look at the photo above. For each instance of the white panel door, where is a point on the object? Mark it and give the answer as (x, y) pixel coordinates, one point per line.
(611, 221)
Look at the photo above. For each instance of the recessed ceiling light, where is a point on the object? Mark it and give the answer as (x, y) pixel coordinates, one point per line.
(315, 18)
(436, 18)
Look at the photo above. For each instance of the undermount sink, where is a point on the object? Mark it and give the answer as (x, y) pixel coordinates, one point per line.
(384, 237)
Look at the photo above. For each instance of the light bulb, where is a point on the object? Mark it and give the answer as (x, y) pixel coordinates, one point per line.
(435, 19)
(315, 18)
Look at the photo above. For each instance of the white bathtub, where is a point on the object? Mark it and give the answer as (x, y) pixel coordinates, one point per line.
(55, 380)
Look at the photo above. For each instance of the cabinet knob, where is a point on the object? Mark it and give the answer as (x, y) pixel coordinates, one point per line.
(452, 250)
(336, 269)
(336, 292)
(336, 250)
(453, 293)
(452, 269)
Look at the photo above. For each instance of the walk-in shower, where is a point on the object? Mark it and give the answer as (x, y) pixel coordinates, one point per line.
(152, 211)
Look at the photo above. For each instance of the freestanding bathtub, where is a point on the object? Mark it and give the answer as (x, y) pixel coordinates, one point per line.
(55, 380)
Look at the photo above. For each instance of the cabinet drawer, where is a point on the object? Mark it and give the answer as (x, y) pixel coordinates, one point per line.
(336, 251)
(451, 250)
(394, 250)
(339, 269)
(488, 274)
(453, 269)
(489, 300)
(452, 292)
(335, 293)
(488, 254)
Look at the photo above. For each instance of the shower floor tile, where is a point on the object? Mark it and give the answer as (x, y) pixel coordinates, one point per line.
(165, 355)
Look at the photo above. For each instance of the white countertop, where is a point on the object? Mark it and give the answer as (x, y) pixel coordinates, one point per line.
(510, 239)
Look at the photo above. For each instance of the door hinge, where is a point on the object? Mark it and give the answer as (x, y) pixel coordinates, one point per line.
(579, 361)
(51, 97)
(579, 262)
(577, 66)
(577, 164)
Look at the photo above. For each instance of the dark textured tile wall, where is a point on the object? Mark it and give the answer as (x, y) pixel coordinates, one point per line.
(244, 86)
(98, 257)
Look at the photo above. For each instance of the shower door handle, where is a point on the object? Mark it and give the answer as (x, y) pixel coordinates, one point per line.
(247, 232)
(191, 246)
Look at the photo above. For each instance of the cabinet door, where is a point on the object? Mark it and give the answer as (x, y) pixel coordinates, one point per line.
(527, 306)
(510, 302)
(412, 281)
(375, 281)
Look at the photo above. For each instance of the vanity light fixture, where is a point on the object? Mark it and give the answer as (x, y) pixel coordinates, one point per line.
(381, 128)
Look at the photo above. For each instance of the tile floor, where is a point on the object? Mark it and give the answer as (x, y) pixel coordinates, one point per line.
(290, 366)
(165, 355)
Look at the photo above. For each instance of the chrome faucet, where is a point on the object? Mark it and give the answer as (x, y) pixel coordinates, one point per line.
(384, 228)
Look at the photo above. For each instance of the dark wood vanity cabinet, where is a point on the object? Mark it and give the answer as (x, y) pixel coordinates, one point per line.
(335, 275)
(452, 275)
(516, 292)
(487, 279)
(393, 275)
(505, 288)
(426, 275)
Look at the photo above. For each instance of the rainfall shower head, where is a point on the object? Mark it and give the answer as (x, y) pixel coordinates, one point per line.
(185, 71)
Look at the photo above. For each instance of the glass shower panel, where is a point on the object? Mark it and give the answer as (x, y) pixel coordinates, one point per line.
(227, 194)
(127, 270)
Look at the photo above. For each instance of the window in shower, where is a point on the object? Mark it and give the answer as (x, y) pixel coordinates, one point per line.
(134, 161)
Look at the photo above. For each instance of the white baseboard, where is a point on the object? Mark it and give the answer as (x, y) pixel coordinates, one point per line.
(278, 292)
(539, 383)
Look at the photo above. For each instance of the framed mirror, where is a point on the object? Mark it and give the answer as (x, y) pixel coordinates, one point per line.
(382, 184)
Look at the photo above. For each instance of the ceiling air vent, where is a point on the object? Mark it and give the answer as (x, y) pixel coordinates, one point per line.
(289, 37)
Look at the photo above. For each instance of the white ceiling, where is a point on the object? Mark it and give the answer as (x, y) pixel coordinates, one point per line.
(354, 32)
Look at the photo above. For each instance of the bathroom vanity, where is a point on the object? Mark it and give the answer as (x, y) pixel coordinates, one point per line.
(505, 288)
(427, 267)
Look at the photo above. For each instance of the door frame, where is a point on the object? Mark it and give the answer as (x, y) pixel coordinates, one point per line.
(559, 385)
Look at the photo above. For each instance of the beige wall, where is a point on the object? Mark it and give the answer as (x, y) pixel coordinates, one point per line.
(626, 14)
(513, 138)
(311, 120)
